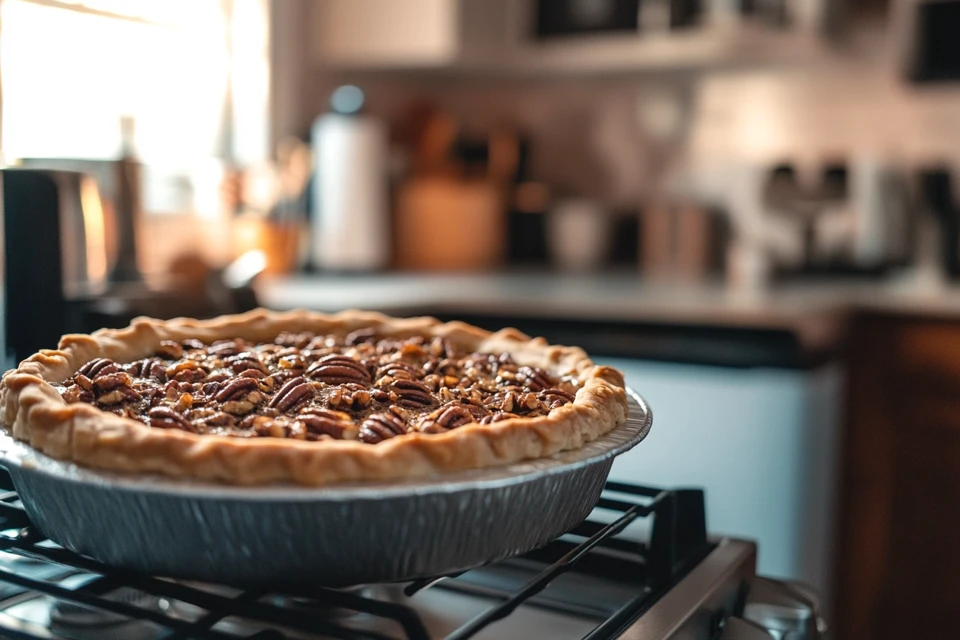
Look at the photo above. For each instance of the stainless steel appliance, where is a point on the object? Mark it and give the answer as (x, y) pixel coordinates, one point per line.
(640, 567)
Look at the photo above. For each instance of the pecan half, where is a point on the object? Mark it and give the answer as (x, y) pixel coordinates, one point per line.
(497, 417)
(555, 397)
(449, 417)
(83, 382)
(167, 418)
(98, 366)
(147, 368)
(224, 348)
(442, 348)
(210, 389)
(169, 350)
(236, 389)
(217, 419)
(292, 393)
(411, 393)
(186, 371)
(335, 369)
(381, 426)
(245, 361)
(335, 424)
(477, 411)
(534, 378)
(360, 336)
(109, 382)
(192, 343)
(444, 367)
(399, 371)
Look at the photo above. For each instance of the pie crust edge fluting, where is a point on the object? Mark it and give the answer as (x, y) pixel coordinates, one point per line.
(35, 412)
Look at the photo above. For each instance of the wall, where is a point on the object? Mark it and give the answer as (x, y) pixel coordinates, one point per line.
(588, 132)
(824, 113)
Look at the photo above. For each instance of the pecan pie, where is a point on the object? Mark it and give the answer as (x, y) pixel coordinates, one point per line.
(304, 397)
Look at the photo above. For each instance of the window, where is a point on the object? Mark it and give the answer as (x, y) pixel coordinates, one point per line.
(193, 75)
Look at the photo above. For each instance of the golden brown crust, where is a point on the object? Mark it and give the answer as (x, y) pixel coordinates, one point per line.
(35, 412)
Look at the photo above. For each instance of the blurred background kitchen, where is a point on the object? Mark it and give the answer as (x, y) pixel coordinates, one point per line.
(747, 205)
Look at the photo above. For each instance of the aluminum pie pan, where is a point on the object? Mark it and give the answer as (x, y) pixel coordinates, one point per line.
(347, 534)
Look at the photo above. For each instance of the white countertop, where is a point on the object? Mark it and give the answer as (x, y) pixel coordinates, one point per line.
(816, 313)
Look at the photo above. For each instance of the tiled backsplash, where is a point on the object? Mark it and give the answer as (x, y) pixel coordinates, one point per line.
(813, 114)
(588, 140)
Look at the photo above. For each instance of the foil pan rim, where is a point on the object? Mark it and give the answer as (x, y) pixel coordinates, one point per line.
(16, 454)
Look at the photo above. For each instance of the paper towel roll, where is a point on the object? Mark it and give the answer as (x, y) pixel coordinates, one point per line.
(350, 228)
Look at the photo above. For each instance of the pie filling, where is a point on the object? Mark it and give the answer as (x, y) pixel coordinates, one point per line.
(318, 387)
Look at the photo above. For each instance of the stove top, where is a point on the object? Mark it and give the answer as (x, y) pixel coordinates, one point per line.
(641, 566)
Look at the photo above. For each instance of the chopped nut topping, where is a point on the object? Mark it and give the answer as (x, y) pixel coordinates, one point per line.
(319, 387)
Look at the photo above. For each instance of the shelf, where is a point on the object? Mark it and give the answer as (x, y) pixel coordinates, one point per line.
(744, 46)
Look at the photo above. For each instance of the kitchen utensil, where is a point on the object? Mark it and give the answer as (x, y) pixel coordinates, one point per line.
(338, 535)
(444, 223)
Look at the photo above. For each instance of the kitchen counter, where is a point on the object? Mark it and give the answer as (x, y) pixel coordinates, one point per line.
(813, 315)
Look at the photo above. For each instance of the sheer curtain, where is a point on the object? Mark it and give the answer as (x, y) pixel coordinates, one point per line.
(193, 75)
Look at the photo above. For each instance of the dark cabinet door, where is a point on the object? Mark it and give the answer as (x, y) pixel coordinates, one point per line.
(899, 551)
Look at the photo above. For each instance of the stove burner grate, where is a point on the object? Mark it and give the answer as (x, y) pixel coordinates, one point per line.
(676, 541)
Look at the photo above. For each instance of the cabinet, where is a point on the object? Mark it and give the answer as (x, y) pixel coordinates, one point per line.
(899, 552)
(493, 38)
(385, 33)
(761, 441)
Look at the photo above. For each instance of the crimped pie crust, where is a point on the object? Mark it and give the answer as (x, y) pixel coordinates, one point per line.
(35, 412)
